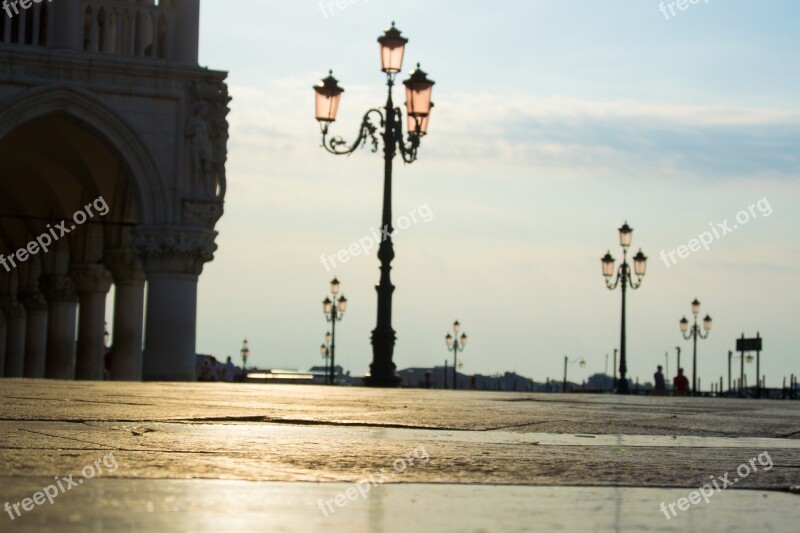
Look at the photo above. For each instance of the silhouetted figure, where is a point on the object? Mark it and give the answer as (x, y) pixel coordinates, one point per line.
(216, 370)
(205, 371)
(229, 371)
(661, 387)
(427, 383)
(681, 384)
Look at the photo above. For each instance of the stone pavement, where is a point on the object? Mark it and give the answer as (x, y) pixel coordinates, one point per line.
(242, 457)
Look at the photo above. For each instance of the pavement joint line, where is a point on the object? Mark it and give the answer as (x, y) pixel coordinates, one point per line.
(100, 446)
(480, 436)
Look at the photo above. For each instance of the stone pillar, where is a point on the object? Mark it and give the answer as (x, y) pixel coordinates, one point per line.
(173, 259)
(3, 329)
(62, 308)
(36, 309)
(15, 338)
(186, 31)
(92, 283)
(36, 332)
(126, 352)
(67, 22)
(15, 327)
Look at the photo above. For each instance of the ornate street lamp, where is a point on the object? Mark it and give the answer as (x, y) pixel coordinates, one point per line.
(624, 279)
(333, 307)
(389, 120)
(455, 345)
(567, 362)
(245, 353)
(693, 333)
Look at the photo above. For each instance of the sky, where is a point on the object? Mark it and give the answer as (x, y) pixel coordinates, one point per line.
(554, 123)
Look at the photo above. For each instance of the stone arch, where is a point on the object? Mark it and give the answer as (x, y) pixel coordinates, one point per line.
(83, 107)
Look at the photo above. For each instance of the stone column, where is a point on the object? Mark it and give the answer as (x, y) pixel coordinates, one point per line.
(186, 31)
(62, 304)
(3, 329)
(92, 283)
(36, 332)
(66, 22)
(36, 309)
(126, 352)
(15, 327)
(15, 338)
(173, 259)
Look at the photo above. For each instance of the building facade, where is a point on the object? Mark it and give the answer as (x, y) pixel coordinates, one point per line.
(113, 143)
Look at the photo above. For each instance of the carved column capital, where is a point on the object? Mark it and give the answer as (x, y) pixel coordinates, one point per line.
(33, 299)
(174, 250)
(91, 278)
(12, 308)
(124, 265)
(59, 289)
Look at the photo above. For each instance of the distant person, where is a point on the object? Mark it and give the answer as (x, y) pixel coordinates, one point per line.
(681, 384)
(216, 369)
(205, 371)
(661, 387)
(229, 371)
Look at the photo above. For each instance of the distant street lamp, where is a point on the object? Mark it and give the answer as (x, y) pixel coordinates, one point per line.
(325, 350)
(334, 307)
(245, 353)
(455, 345)
(390, 119)
(567, 362)
(746, 358)
(693, 333)
(624, 279)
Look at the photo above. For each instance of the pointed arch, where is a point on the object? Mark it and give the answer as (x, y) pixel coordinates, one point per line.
(153, 207)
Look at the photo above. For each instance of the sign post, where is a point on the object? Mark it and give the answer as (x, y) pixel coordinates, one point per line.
(750, 345)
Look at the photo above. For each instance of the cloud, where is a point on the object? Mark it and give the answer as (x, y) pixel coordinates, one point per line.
(520, 135)
(569, 135)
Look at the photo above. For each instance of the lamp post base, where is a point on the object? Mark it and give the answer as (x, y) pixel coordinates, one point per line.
(622, 386)
(385, 381)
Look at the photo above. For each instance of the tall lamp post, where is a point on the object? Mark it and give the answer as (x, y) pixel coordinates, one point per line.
(624, 279)
(418, 105)
(693, 333)
(567, 363)
(325, 350)
(334, 307)
(245, 353)
(455, 345)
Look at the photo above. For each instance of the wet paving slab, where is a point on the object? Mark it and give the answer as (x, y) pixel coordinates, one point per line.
(213, 505)
(472, 461)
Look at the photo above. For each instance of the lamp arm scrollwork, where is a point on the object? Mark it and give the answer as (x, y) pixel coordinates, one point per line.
(367, 131)
(408, 148)
(614, 285)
